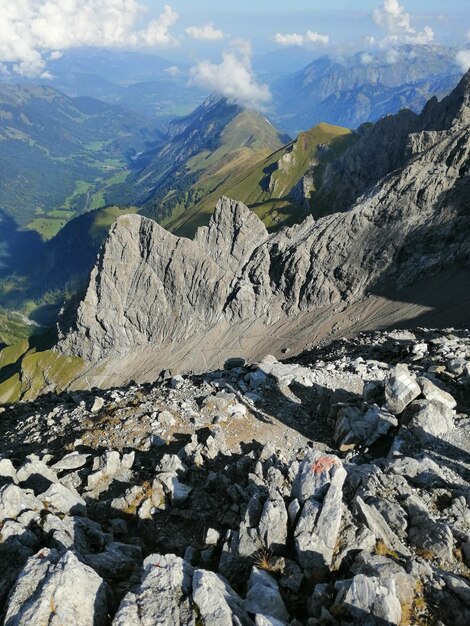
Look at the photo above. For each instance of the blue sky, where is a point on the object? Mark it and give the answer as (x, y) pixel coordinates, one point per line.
(342, 20)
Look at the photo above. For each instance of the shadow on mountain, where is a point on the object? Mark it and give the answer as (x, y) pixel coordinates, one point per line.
(18, 248)
(438, 301)
(439, 296)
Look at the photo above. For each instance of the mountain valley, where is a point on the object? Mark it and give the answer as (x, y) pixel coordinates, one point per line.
(75, 148)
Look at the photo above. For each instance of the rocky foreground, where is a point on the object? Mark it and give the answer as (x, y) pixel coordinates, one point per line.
(333, 490)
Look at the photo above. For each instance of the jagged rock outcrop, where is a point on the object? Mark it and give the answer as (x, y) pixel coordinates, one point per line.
(387, 145)
(150, 288)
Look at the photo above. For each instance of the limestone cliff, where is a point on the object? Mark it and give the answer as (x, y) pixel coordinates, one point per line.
(150, 288)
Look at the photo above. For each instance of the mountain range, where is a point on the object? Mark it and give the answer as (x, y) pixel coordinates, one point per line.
(137, 81)
(349, 91)
(234, 337)
(218, 149)
(87, 156)
(157, 300)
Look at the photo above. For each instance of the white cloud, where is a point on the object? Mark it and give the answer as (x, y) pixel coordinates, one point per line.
(296, 39)
(173, 70)
(463, 59)
(392, 56)
(54, 55)
(397, 23)
(392, 17)
(423, 37)
(207, 32)
(366, 58)
(312, 37)
(157, 32)
(289, 39)
(33, 30)
(233, 77)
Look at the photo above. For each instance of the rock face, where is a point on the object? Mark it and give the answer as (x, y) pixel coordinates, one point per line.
(152, 289)
(400, 389)
(388, 144)
(318, 487)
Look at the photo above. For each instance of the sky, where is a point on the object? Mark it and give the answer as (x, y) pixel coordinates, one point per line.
(341, 20)
(219, 37)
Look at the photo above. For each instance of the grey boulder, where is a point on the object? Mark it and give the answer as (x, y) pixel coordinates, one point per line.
(426, 533)
(433, 392)
(217, 602)
(316, 473)
(400, 389)
(320, 479)
(36, 475)
(432, 419)
(163, 596)
(370, 601)
(354, 427)
(59, 499)
(14, 501)
(263, 596)
(59, 591)
(272, 527)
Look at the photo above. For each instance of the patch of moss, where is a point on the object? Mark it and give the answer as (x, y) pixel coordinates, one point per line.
(382, 549)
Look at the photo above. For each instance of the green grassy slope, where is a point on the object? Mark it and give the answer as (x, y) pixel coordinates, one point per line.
(268, 185)
(29, 367)
(14, 327)
(246, 139)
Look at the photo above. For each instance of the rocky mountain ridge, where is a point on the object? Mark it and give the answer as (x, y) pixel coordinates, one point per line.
(151, 290)
(389, 144)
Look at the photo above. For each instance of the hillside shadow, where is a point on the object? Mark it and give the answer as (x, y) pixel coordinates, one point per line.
(442, 287)
(19, 248)
(441, 300)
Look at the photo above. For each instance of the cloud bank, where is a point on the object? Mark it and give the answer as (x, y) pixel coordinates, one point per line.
(463, 59)
(233, 77)
(31, 29)
(397, 23)
(207, 32)
(296, 39)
